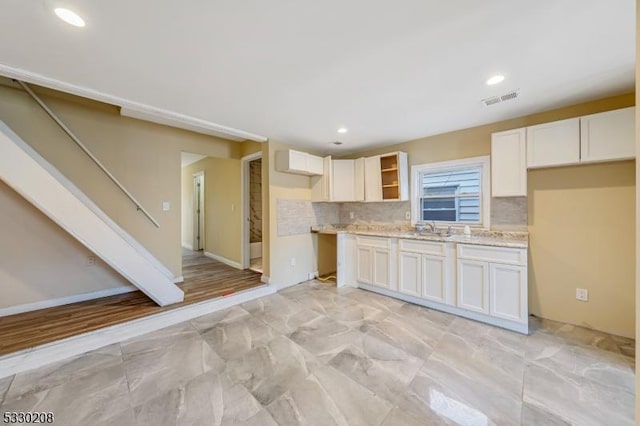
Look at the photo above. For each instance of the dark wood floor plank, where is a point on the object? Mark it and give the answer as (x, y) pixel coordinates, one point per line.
(204, 279)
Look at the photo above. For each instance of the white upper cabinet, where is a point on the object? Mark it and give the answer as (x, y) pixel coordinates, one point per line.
(347, 180)
(372, 179)
(321, 185)
(608, 136)
(554, 144)
(298, 162)
(509, 163)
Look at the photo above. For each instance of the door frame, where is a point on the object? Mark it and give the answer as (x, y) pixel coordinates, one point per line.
(246, 235)
(203, 240)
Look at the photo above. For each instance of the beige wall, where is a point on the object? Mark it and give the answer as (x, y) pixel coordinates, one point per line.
(223, 206)
(145, 157)
(609, 188)
(637, 246)
(581, 233)
(282, 249)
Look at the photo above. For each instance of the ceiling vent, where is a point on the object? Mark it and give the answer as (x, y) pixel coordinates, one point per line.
(494, 100)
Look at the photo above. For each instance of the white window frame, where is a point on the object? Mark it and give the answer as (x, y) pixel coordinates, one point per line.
(485, 198)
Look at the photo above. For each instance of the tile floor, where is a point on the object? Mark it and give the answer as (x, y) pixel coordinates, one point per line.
(316, 355)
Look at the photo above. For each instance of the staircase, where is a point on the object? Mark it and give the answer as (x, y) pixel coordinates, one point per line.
(35, 179)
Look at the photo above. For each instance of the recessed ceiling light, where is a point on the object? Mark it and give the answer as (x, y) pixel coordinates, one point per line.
(337, 143)
(69, 16)
(343, 130)
(495, 80)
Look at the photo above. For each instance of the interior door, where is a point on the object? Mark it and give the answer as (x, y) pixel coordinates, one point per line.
(198, 212)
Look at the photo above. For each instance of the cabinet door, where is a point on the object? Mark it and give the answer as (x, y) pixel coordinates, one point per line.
(315, 165)
(434, 278)
(608, 136)
(473, 285)
(554, 144)
(372, 179)
(509, 163)
(410, 273)
(321, 185)
(364, 264)
(297, 160)
(359, 179)
(508, 292)
(381, 267)
(343, 183)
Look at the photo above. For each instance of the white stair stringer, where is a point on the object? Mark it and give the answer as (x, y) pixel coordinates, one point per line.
(35, 179)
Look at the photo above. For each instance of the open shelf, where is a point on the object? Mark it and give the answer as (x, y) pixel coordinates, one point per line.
(390, 178)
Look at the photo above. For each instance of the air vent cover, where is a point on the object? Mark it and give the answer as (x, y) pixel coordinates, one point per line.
(494, 100)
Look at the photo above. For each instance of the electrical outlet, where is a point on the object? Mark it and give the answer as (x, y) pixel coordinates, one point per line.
(582, 294)
(292, 262)
(352, 215)
(407, 215)
(312, 275)
(91, 260)
(166, 206)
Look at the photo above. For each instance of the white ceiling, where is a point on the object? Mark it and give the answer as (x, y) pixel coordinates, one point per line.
(190, 158)
(295, 71)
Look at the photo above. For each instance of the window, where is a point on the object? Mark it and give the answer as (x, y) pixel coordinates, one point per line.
(451, 192)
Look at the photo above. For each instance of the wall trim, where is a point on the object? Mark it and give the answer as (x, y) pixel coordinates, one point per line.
(134, 109)
(187, 246)
(229, 262)
(179, 279)
(62, 349)
(265, 279)
(50, 303)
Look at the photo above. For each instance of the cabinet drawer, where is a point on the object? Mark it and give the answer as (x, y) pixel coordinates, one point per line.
(364, 240)
(505, 255)
(426, 247)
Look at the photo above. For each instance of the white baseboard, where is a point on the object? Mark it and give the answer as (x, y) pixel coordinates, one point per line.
(56, 351)
(179, 279)
(187, 246)
(44, 304)
(264, 278)
(223, 260)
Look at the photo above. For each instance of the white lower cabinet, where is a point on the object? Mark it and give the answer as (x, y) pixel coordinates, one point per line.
(381, 267)
(373, 261)
(508, 292)
(410, 273)
(485, 283)
(473, 285)
(364, 268)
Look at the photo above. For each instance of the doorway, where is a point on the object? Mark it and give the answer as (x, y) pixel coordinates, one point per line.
(252, 173)
(198, 212)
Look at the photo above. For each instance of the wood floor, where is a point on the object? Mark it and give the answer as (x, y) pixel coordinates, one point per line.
(204, 279)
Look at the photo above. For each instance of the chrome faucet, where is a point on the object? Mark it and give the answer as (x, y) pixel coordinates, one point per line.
(432, 225)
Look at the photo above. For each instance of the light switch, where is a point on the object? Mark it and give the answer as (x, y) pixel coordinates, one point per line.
(166, 206)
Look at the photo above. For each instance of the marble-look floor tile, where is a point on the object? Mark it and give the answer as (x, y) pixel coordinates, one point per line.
(234, 339)
(573, 334)
(207, 399)
(328, 397)
(577, 361)
(288, 323)
(164, 360)
(380, 367)
(577, 400)
(55, 374)
(538, 416)
(417, 334)
(268, 371)
(98, 398)
(402, 417)
(207, 322)
(375, 300)
(324, 337)
(468, 383)
(483, 335)
(274, 304)
(4, 387)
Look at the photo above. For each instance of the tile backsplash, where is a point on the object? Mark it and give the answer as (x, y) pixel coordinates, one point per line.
(298, 216)
(507, 214)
